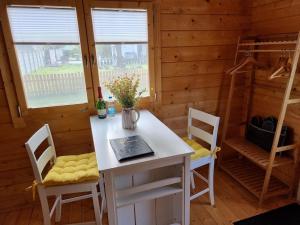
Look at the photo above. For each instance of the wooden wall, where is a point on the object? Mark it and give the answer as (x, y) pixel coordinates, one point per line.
(275, 16)
(197, 43)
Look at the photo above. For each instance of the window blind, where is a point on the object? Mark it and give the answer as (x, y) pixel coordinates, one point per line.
(43, 25)
(120, 25)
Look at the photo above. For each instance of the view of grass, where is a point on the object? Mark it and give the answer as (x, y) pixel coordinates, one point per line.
(59, 69)
(56, 100)
(73, 68)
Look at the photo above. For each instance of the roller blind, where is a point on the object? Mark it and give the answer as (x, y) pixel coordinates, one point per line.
(120, 25)
(43, 25)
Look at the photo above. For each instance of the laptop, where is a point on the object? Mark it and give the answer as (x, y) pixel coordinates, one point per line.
(130, 148)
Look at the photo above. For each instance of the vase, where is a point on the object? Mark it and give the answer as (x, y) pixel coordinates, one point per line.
(130, 117)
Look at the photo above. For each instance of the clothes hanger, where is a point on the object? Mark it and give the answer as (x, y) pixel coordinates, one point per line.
(240, 63)
(236, 66)
(289, 63)
(285, 66)
(249, 60)
(279, 68)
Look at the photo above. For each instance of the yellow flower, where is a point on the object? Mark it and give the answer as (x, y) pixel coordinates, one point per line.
(125, 90)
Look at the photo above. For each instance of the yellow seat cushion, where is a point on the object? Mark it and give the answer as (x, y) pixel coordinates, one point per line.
(199, 150)
(72, 169)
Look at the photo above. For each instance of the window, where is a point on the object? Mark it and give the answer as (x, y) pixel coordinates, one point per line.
(121, 37)
(49, 55)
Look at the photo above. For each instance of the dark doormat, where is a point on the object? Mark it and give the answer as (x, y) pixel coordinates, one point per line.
(287, 215)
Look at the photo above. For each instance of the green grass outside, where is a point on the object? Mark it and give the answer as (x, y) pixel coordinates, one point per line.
(78, 68)
(57, 100)
(58, 70)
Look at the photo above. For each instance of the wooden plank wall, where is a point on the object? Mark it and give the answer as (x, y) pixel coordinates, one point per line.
(275, 17)
(197, 43)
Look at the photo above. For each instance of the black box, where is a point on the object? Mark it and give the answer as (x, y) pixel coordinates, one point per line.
(264, 138)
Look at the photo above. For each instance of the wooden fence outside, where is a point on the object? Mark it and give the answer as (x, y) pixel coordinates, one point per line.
(39, 85)
(53, 84)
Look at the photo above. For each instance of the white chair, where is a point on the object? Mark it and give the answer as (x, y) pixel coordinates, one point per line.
(203, 156)
(49, 156)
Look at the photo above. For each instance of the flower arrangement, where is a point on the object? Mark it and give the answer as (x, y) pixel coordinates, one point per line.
(125, 90)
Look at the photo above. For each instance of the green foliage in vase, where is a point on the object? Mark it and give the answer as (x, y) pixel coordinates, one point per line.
(125, 90)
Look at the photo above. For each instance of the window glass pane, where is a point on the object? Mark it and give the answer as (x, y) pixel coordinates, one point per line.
(122, 46)
(52, 75)
(51, 67)
(43, 25)
(116, 60)
(120, 25)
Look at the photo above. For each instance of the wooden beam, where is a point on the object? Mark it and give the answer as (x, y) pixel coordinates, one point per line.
(9, 86)
(13, 62)
(286, 148)
(293, 101)
(280, 121)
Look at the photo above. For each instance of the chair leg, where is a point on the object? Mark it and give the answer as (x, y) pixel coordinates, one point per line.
(211, 181)
(58, 209)
(102, 194)
(45, 206)
(192, 180)
(96, 205)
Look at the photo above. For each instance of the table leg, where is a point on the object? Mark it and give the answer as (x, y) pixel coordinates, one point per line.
(110, 198)
(186, 203)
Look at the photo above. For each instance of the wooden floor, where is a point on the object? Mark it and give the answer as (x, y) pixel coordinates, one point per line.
(232, 203)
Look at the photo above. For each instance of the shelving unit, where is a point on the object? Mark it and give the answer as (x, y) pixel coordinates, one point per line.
(252, 177)
(253, 168)
(255, 154)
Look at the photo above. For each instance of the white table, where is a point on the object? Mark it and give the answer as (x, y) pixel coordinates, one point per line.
(152, 190)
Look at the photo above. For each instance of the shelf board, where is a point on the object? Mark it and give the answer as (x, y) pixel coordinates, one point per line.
(147, 195)
(252, 177)
(254, 153)
(268, 43)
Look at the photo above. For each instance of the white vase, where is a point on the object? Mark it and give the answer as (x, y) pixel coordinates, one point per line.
(130, 116)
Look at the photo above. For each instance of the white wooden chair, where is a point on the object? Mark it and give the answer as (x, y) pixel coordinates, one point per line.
(202, 155)
(49, 156)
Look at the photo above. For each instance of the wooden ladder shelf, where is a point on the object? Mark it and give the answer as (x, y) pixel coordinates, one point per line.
(254, 169)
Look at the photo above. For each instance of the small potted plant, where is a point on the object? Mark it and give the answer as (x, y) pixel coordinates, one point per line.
(125, 90)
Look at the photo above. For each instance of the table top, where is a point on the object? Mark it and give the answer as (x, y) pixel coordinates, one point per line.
(164, 142)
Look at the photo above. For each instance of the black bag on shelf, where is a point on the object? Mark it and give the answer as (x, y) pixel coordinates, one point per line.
(261, 132)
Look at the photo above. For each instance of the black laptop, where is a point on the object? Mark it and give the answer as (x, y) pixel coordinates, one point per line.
(130, 148)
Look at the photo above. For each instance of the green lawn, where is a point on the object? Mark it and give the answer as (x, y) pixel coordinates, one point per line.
(78, 68)
(57, 100)
(59, 69)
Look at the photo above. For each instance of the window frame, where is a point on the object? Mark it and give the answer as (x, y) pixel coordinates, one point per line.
(13, 60)
(88, 51)
(88, 6)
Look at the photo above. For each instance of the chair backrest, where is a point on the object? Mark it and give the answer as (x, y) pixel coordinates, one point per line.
(47, 155)
(200, 133)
